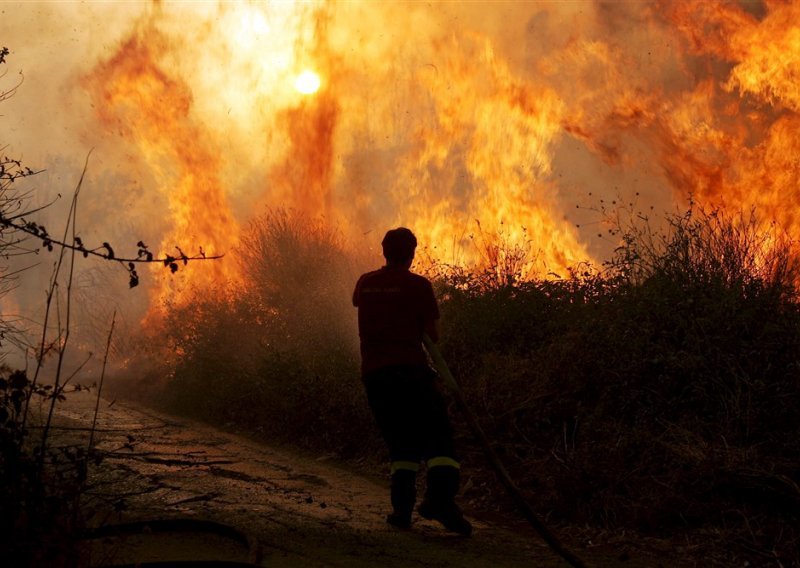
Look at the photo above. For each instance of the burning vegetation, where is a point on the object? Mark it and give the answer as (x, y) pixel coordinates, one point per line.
(638, 366)
(466, 135)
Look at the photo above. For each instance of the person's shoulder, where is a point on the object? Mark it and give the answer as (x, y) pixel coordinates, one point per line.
(373, 276)
(370, 274)
(419, 279)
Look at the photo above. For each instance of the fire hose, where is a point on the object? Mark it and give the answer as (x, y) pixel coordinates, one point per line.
(502, 474)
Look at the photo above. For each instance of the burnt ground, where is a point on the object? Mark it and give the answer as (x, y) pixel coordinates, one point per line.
(300, 510)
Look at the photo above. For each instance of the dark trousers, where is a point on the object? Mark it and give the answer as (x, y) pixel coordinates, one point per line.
(410, 412)
(412, 417)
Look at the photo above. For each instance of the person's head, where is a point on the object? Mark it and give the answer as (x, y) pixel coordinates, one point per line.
(398, 246)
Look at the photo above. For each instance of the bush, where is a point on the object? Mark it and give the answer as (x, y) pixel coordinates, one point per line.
(39, 516)
(277, 355)
(657, 393)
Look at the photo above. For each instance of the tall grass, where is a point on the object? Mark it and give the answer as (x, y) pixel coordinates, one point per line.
(657, 392)
(278, 354)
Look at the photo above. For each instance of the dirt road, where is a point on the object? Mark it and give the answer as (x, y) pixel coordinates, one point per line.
(301, 511)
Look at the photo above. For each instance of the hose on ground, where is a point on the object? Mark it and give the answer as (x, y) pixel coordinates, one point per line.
(502, 473)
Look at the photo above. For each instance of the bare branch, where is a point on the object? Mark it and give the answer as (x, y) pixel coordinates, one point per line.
(103, 251)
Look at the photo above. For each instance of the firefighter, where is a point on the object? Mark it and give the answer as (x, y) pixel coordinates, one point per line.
(395, 308)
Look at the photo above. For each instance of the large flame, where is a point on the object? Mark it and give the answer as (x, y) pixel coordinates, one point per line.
(734, 140)
(479, 126)
(478, 180)
(153, 110)
(476, 164)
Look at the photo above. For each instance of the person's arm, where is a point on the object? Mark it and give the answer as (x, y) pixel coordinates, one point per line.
(432, 329)
(357, 292)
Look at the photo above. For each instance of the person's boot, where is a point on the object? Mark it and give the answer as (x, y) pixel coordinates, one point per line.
(439, 503)
(404, 494)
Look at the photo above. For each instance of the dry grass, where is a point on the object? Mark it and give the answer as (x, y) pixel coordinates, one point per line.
(658, 394)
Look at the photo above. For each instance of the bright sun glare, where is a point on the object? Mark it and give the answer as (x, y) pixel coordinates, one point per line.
(307, 82)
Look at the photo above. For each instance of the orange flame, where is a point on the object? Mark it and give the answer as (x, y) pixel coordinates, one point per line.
(482, 165)
(147, 105)
(734, 140)
(482, 152)
(306, 176)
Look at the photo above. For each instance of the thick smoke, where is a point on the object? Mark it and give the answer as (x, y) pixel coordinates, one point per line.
(467, 122)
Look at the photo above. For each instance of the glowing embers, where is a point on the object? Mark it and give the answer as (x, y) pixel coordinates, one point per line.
(307, 82)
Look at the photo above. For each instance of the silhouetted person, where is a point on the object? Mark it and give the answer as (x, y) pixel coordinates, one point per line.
(395, 308)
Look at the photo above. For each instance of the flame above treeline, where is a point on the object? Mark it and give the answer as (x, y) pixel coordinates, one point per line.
(473, 124)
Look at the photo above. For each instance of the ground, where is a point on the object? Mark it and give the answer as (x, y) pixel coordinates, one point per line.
(294, 509)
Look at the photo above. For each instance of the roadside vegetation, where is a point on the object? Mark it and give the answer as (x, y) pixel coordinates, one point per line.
(46, 498)
(658, 393)
(277, 355)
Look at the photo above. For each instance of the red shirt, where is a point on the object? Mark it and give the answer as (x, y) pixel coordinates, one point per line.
(393, 307)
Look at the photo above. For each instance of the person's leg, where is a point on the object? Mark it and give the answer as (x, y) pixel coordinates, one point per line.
(439, 503)
(443, 476)
(392, 404)
(403, 493)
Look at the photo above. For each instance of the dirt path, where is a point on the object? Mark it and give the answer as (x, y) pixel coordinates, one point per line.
(303, 512)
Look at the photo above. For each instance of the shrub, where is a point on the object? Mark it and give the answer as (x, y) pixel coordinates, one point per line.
(39, 514)
(278, 354)
(657, 393)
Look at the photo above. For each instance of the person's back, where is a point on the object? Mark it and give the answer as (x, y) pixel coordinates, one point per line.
(395, 308)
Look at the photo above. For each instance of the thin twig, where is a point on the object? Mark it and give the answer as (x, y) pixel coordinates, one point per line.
(48, 305)
(62, 349)
(75, 372)
(100, 386)
(63, 244)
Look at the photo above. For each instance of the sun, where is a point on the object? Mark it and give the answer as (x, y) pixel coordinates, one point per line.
(307, 82)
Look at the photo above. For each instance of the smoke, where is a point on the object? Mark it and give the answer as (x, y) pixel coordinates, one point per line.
(465, 122)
